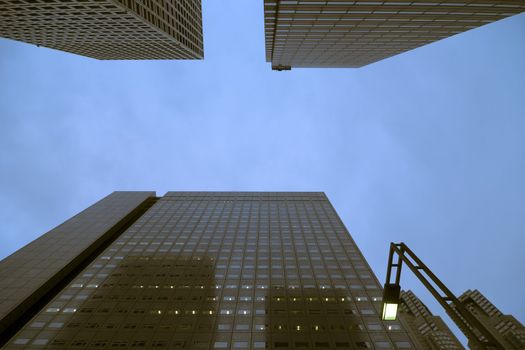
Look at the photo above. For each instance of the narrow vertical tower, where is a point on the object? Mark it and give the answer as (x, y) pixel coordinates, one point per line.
(31, 276)
(429, 330)
(507, 329)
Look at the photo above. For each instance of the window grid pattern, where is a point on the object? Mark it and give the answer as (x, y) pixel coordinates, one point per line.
(108, 29)
(339, 33)
(429, 330)
(508, 329)
(223, 271)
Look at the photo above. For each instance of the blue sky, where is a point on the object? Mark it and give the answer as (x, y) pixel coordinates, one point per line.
(426, 147)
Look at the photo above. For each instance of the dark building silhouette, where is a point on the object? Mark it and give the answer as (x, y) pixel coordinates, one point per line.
(197, 270)
(340, 33)
(38, 270)
(108, 29)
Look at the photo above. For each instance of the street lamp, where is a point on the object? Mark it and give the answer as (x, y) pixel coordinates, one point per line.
(473, 329)
(391, 301)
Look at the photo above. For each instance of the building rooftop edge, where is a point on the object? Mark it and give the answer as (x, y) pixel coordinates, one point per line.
(243, 193)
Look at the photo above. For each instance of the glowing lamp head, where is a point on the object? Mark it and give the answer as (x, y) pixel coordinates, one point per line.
(391, 301)
(389, 312)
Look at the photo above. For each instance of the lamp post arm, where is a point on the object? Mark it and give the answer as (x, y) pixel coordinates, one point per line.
(459, 313)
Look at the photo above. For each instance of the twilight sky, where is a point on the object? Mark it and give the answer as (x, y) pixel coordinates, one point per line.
(427, 147)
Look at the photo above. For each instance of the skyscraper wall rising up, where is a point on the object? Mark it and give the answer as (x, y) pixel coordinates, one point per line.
(108, 29)
(429, 330)
(341, 33)
(221, 270)
(507, 329)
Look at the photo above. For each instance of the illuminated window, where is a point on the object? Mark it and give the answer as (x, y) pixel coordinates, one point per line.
(394, 327)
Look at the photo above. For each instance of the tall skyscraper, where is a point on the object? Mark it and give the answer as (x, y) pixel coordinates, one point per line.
(429, 330)
(196, 270)
(108, 29)
(339, 33)
(505, 328)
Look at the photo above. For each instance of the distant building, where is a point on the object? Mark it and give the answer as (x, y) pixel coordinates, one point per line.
(197, 270)
(505, 328)
(339, 33)
(108, 29)
(430, 331)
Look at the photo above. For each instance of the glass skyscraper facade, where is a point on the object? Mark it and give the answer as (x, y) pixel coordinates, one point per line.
(108, 29)
(340, 33)
(219, 270)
